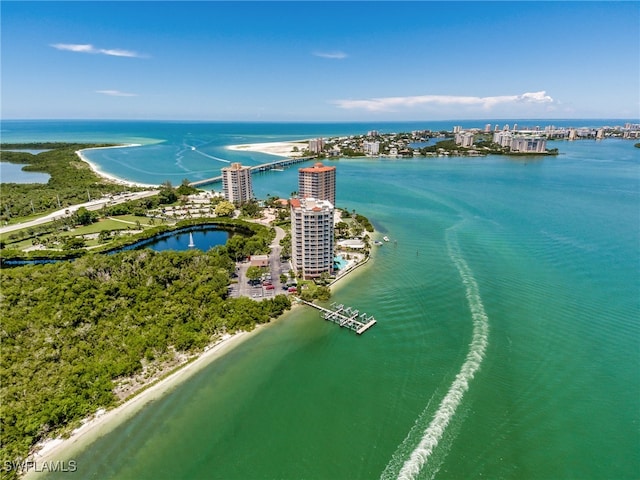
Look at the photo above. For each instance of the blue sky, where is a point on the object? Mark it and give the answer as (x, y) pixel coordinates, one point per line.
(320, 61)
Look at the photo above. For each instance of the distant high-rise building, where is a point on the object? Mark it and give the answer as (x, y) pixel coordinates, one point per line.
(487, 128)
(371, 148)
(236, 183)
(316, 145)
(312, 237)
(528, 144)
(464, 139)
(318, 182)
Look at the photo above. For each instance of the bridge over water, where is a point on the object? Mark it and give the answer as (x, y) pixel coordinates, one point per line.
(263, 167)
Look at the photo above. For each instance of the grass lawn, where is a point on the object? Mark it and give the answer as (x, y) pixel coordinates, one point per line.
(122, 222)
(144, 221)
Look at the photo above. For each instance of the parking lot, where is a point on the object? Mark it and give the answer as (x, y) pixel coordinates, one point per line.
(268, 287)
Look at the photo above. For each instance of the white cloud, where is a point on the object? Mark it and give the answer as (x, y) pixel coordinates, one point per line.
(331, 55)
(88, 48)
(487, 103)
(116, 93)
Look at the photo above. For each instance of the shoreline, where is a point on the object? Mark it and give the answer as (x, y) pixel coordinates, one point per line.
(280, 149)
(107, 176)
(104, 421)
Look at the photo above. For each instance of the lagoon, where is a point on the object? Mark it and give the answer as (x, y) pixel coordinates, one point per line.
(13, 173)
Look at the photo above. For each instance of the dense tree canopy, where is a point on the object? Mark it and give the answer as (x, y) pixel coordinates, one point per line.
(72, 180)
(72, 328)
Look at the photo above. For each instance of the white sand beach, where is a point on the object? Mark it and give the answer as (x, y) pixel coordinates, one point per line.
(107, 176)
(281, 149)
(102, 422)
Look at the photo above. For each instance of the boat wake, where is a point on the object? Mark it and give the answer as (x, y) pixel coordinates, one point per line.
(211, 156)
(408, 469)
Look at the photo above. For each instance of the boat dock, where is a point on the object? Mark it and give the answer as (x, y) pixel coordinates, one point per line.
(347, 317)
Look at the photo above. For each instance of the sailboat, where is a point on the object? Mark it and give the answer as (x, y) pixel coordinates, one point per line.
(191, 242)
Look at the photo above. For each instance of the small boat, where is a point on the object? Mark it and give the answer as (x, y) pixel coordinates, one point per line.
(385, 238)
(377, 242)
(191, 242)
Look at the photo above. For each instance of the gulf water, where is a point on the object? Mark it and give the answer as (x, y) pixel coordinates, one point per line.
(508, 336)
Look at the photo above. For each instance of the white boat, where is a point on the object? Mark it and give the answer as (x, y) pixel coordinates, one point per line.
(385, 238)
(191, 242)
(377, 242)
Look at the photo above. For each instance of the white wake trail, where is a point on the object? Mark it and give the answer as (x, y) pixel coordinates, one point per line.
(207, 155)
(447, 409)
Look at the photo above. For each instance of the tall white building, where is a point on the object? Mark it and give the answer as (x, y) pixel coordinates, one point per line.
(371, 148)
(464, 139)
(503, 138)
(312, 238)
(520, 143)
(528, 144)
(236, 183)
(316, 145)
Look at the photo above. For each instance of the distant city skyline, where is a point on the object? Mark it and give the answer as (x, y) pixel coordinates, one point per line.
(319, 61)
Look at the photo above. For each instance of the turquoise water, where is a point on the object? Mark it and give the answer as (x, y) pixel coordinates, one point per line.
(339, 263)
(507, 343)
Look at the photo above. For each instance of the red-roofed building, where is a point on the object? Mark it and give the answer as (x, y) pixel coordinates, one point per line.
(318, 181)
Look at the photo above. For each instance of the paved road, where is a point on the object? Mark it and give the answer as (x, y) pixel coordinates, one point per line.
(68, 211)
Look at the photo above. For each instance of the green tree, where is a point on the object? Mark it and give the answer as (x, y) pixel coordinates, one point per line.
(342, 229)
(225, 209)
(250, 208)
(73, 243)
(167, 194)
(104, 236)
(254, 273)
(84, 216)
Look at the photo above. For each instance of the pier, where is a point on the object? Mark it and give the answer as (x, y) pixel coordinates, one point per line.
(263, 167)
(347, 317)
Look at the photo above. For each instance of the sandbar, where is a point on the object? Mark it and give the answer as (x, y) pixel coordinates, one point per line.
(281, 149)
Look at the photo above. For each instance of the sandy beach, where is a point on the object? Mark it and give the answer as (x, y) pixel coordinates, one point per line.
(102, 422)
(281, 149)
(107, 176)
